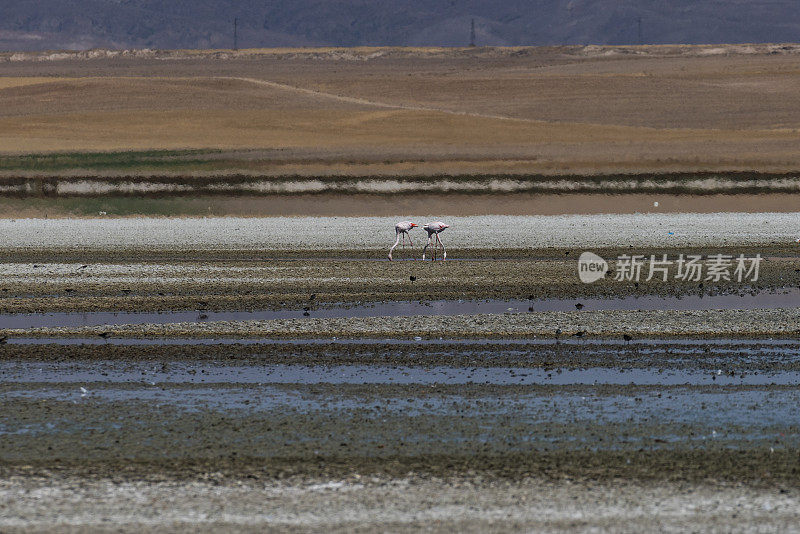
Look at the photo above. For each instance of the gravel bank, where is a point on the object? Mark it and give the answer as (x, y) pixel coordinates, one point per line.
(608, 323)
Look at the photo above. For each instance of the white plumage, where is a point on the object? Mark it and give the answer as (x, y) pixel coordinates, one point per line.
(401, 229)
(434, 229)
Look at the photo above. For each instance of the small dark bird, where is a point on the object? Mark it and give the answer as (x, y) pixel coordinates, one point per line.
(105, 335)
(412, 278)
(579, 306)
(530, 308)
(579, 333)
(82, 267)
(3, 340)
(558, 332)
(202, 316)
(313, 296)
(306, 308)
(566, 253)
(626, 337)
(531, 297)
(306, 314)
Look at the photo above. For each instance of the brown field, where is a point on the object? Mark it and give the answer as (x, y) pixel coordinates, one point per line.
(418, 111)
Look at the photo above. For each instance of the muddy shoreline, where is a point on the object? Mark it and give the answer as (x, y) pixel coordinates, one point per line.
(41, 281)
(766, 356)
(394, 430)
(755, 468)
(406, 408)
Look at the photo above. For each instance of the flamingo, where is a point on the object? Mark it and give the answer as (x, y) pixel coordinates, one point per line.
(434, 229)
(402, 228)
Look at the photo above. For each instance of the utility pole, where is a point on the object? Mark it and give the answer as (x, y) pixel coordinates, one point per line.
(235, 34)
(639, 21)
(472, 34)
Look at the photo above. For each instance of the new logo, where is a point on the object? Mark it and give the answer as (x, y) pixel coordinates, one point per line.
(591, 267)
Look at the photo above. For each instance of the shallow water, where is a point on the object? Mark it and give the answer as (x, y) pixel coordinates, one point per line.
(179, 373)
(779, 344)
(788, 298)
(676, 415)
(265, 408)
(680, 403)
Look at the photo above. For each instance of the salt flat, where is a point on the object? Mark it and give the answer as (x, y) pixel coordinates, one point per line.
(401, 505)
(359, 233)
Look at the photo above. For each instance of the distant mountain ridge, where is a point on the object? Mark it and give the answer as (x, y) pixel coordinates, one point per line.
(83, 24)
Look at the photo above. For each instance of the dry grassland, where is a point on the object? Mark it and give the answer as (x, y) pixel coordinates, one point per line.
(423, 111)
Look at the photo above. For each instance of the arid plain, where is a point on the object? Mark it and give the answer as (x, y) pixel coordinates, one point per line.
(197, 309)
(407, 111)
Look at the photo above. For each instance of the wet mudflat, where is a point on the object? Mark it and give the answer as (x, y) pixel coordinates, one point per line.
(357, 402)
(103, 423)
(166, 373)
(777, 299)
(182, 372)
(248, 285)
(358, 435)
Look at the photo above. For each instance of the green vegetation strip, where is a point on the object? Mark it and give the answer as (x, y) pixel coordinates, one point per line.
(103, 160)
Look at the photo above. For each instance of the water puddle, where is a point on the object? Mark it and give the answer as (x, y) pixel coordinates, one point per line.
(788, 298)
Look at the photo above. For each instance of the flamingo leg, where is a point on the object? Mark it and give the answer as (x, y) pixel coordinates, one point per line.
(444, 252)
(426, 247)
(393, 246)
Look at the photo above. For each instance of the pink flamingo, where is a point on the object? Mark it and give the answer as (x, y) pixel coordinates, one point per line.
(402, 228)
(434, 229)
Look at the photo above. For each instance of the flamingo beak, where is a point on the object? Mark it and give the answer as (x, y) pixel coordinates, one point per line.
(414, 225)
